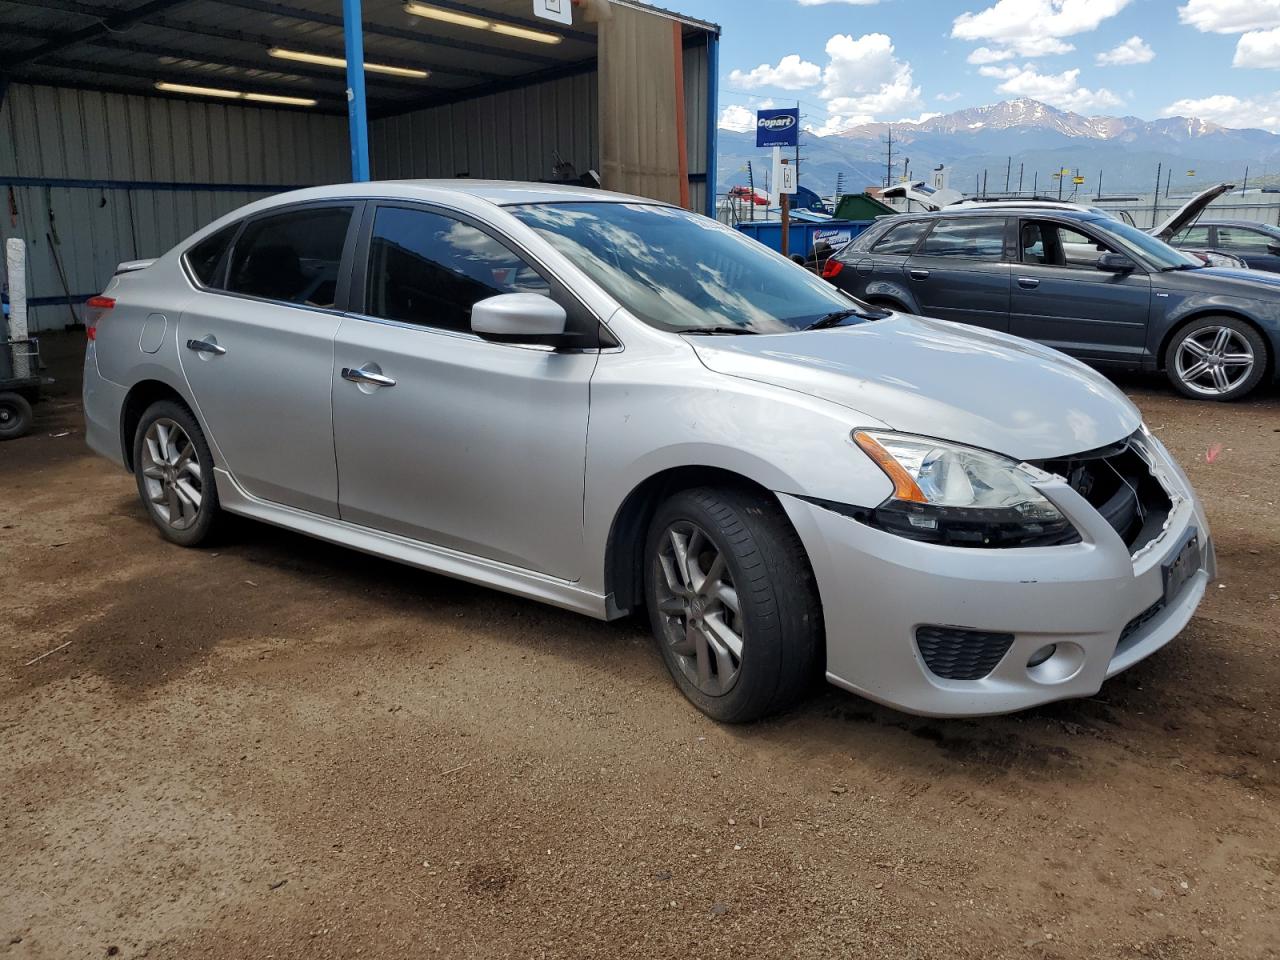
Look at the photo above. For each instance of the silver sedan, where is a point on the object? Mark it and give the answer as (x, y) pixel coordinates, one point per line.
(616, 406)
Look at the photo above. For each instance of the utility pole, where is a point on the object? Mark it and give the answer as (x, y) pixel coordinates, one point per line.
(1098, 196)
(984, 182)
(1155, 201)
(1167, 181)
(1008, 172)
(888, 163)
(1035, 182)
(1246, 180)
(906, 172)
(1020, 169)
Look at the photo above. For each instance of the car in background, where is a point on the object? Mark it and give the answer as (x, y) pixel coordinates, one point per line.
(1093, 287)
(1257, 245)
(618, 406)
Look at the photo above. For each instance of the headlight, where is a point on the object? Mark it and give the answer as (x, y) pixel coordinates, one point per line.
(946, 493)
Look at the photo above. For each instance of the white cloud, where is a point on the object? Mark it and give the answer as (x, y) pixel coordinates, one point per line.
(836, 125)
(1002, 73)
(1134, 50)
(791, 73)
(947, 97)
(1060, 90)
(1258, 48)
(822, 3)
(1230, 16)
(988, 55)
(738, 119)
(920, 119)
(1262, 112)
(864, 79)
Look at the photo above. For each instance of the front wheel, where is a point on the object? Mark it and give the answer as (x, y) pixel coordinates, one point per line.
(733, 602)
(1216, 358)
(174, 470)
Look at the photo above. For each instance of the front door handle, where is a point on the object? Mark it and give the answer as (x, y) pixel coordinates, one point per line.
(207, 345)
(1028, 283)
(918, 274)
(375, 378)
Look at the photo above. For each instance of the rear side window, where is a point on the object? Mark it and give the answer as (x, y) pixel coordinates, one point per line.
(206, 257)
(430, 269)
(965, 238)
(902, 238)
(1242, 240)
(292, 256)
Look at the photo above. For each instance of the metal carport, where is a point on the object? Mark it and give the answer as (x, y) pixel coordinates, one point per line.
(107, 153)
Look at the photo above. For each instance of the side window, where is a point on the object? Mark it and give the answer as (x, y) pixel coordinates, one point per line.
(1241, 240)
(205, 257)
(1192, 237)
(1079, 250)
(902, 238)
(1054, 245)
(965, 238)
(429, 269)
(291, 256)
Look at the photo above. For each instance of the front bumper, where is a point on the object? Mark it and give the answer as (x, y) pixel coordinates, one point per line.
(877, 588)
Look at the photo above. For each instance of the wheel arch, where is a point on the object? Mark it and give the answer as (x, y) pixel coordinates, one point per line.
(624, 549)
(1211, 311)
(141, 396)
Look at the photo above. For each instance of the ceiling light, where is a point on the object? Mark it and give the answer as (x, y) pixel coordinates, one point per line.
(234, 94)
(199, 91)
(525, 33)
(341, 64)
(479, 23)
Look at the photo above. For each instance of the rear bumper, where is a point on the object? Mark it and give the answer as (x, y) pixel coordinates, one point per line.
(1102, 608)
(103, 406)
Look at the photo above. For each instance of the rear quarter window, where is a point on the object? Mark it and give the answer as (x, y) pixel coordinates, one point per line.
(206, 260)
(901, 238)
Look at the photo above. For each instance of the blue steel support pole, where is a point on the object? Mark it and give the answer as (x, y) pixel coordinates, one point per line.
(357, 116)
(713, 97)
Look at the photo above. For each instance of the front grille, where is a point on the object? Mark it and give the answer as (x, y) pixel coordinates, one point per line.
(1128, 635)
(954, 653)
(1118, 482)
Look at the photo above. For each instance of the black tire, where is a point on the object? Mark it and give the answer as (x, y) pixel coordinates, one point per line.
(1203, 389)
(15, 416)
(202, 523)
(780, 613)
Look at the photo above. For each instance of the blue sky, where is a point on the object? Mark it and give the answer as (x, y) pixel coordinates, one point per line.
(849, 61)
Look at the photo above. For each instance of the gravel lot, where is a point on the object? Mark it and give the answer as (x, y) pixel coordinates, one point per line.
(277, 748)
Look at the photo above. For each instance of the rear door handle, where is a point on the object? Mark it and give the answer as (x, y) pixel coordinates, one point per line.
(918, 274)
(374, 378)
(207, 345)
(1028, 283)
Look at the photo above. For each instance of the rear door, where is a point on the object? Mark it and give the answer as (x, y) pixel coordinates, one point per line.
(959, 272)
(1061, 299)
(879, 268)
(257, 350)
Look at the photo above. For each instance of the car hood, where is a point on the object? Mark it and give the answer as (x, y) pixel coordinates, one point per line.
(941, 380)
(1191, 210)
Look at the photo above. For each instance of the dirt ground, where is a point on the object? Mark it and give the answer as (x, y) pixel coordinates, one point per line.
(277, 748)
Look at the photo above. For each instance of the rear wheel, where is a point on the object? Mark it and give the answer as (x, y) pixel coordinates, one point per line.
(1216, 358)
(15, 416)
(733, 602)
(174, 470)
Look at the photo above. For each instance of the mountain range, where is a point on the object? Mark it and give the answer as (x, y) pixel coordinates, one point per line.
(1115, 155)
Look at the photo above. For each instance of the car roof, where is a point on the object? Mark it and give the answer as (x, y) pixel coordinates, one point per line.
(497, 192)
(988, 210)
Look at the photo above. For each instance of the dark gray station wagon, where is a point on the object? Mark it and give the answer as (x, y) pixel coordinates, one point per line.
(1093, 287)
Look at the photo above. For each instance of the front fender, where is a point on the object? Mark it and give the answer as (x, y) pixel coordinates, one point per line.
(1181, 306)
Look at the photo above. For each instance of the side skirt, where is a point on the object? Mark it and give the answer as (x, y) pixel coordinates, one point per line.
(450, 563)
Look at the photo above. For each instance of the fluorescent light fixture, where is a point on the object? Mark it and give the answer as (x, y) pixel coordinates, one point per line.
(480, 23)
(199, 91)
(234, 94)
(341, 64)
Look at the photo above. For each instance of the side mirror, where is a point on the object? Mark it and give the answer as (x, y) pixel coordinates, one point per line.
(1273, 249)
(1115, 263)
(519, 318)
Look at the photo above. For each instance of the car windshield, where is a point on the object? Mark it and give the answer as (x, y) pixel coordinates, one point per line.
(680, 271)
(1151, 250)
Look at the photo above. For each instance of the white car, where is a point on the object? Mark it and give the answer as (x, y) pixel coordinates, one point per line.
(617, 406)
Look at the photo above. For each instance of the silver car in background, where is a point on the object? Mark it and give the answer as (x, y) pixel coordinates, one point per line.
(616, 406)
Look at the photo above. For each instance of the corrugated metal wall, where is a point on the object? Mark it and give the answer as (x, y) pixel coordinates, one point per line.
(517, 135)
(57, 133)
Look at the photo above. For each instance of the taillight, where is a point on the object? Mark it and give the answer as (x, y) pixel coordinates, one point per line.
(95, 307)
(831, 269)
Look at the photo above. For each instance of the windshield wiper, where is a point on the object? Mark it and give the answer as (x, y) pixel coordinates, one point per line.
(726, 330)
(1181, 266)
(838, 317)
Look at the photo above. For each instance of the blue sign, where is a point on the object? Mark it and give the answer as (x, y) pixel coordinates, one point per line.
(778, 128)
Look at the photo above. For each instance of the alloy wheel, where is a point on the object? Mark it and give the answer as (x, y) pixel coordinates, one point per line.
(1213, 361)
(698, 604)
(171, 474)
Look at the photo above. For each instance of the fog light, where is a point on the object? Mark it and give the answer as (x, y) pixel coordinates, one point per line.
(1041, 655)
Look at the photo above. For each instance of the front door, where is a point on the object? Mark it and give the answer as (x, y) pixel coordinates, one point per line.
(475, 446)
(1259, 249)
(257, 350)
(959, 272)
(1061, 299)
